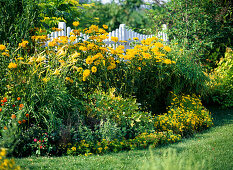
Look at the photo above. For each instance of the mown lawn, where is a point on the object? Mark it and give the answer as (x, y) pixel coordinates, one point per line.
(215, 146)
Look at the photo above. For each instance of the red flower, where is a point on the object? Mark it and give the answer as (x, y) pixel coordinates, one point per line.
(24, 121)
(27, 115)
(13, 105)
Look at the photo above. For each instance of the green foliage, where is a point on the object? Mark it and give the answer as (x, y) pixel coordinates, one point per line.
(221, 88)
(17, 17)
(141, 141)
(69, 10)
(123, 113)
(203, 27)
(112, 14)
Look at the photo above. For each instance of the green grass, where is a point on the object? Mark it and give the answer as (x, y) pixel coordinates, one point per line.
(215, 146)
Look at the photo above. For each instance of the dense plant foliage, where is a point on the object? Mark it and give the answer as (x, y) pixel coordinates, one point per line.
(17, 17)
(203, 27)
(220, 89)
(129, 12)
(81, 93)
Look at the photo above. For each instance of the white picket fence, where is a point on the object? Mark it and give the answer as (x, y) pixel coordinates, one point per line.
(125, 35)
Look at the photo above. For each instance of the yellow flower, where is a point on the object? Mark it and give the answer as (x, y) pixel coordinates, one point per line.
(166, 48)
(73, 148)
(82, 48)
(3, 152)
(20, 58)
(12, 65)
(89, 60)
(6, 54)
(158, 44)
(105, 26)
(86, 73)
(135, 38)
(72, 38)
(45, 80)
(56, 72)
(80, 69)
(23, 44)
(139, 68)
(94, 69)
(114, 39)
(76, 23)
(52, 44)
(2, 47)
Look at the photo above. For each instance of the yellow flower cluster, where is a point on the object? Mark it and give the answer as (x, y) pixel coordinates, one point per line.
(12, 65)
(186, 115)
(2, 47)
(76, 23)
(23, 44)
(6, 164)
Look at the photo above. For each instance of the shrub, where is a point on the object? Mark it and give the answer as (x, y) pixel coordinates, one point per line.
(123, 113)
(203, 27)
(221, 89)
(186, 116)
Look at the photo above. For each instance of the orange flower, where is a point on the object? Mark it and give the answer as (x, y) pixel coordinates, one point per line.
(19, 121)
(13, 116)
(27, 115)
(20, 108)
(0, 109)
(5, 128)
(21, 105)
(2, 104)
(18, 98)
(24, 121)
(4, 99)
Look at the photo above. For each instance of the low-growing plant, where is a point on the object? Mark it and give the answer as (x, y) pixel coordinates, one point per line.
(185, 116)
(123, 112)
(7, 164)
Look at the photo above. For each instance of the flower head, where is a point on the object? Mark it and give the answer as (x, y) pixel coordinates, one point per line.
(2, 47)
(12, 65)
(76, 23)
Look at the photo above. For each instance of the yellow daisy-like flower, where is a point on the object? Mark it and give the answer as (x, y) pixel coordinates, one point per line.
(86, 73)
(6, 54)
(76, 23)
(94, 69)
(105, 26)
(89, 60)
(72, 38)
(114, 39)
(166, 48)
(12, 65)
(2, 47)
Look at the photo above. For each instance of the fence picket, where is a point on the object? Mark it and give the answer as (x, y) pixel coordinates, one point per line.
(123, 34)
